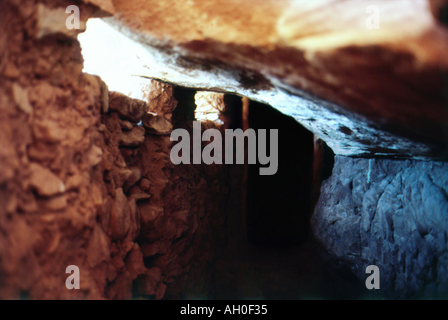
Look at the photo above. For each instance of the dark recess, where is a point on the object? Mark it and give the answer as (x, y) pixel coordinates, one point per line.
(443, 15)
(278, 207)
(185, 107)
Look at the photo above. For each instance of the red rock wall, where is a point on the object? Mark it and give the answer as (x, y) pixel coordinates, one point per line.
(51, 181)
(82, 184)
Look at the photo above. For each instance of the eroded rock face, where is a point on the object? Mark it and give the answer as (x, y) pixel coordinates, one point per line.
(392, 214)
(129, 109)
(157, 124)
(183, 223)
(51, 177)
(82, 183)
(162, 219)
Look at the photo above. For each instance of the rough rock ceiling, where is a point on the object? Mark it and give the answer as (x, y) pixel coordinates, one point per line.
(366, 92)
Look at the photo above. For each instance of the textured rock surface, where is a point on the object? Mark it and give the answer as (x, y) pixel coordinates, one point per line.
(168, 215)
(160, 98)
(210, 106)
(392, 214)
(130, 109)
(81, 183)
(359, 90)
(133, 137)
(51, 177)
(156, 124)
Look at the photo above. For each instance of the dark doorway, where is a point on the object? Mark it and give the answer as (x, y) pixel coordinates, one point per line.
(278, 207)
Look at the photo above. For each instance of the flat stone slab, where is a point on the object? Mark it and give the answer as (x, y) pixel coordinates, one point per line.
(363, 90)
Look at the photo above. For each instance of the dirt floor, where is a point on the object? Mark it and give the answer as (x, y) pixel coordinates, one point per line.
(285, 273)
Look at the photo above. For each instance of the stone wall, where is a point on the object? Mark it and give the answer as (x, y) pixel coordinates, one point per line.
(86, 177)
(51, 178)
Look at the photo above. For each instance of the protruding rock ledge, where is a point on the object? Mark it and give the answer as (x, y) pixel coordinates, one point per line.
(363, 91)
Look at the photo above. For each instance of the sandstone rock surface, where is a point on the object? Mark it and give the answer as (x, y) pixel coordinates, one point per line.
(359, 89)
(157, 124)
(130, 109)
(133, 138)
(70, 179)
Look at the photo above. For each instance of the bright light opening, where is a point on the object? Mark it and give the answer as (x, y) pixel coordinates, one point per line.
(114, 57)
